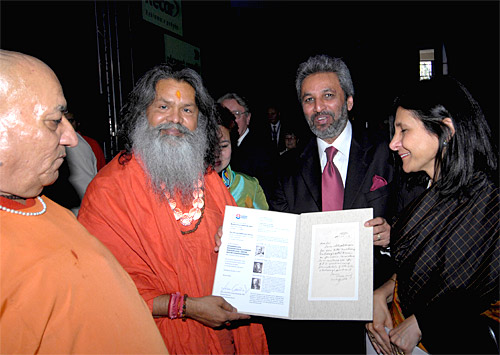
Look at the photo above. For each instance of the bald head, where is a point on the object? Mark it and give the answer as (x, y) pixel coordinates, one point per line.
(33, 130)
(19, 74)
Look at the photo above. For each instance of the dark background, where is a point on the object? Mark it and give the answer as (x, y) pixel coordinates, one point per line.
(254, 48)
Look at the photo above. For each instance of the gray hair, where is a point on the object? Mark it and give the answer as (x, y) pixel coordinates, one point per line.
(231, 95)
(325, 64)
(144, 93)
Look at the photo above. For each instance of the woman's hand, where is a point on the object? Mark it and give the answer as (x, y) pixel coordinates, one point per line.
(212, 311)
(382, 317)
(406, 335)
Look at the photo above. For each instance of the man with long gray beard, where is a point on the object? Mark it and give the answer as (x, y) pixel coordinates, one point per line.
(158, 205)
(362, 164)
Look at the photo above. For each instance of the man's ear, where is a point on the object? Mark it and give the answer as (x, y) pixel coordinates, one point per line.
(350, 103)
(449, 123)
(248, 118)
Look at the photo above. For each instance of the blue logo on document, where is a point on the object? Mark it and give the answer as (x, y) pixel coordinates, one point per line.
(239, 216)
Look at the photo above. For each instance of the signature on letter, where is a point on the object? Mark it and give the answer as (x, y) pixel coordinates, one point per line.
(235, 289)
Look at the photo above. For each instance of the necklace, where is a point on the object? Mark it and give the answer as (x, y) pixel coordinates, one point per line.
(27, 213)
(13, 197)
(194, 214)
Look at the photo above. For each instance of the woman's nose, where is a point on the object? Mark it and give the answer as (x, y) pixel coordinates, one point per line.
(395, 143)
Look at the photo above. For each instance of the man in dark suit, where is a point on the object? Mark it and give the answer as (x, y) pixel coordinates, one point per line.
(325, 90)
(253, 155)
(274, 130)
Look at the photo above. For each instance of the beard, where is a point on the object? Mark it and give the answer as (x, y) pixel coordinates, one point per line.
(335, 128)
(174, 164)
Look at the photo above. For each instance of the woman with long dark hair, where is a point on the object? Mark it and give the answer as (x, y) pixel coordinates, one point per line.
(444, 295)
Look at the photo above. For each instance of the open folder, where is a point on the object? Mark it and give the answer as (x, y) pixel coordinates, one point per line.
(310, 266)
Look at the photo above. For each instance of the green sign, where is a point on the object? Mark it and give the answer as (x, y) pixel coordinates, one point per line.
(164, 13)
(180, 52)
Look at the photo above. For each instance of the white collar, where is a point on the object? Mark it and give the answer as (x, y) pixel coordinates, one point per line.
(243, 136)
(342, 143)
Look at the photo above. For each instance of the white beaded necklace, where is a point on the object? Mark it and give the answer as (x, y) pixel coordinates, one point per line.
(27, 213)
(194, 213)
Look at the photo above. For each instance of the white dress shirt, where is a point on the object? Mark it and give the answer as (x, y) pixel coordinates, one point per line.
(243, 136)
(343, 146)
(278, 127)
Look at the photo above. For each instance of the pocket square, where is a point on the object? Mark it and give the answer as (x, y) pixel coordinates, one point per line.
(378, 182)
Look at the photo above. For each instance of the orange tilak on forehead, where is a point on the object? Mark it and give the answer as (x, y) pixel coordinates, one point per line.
(178, 94)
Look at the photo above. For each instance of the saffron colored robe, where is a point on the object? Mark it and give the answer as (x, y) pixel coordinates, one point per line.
(63, 292)
(122, 210)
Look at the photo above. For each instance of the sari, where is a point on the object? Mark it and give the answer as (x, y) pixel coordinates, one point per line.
(245, 189)
(447, 252)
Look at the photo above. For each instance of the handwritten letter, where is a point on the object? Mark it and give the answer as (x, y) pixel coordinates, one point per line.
(334, 265)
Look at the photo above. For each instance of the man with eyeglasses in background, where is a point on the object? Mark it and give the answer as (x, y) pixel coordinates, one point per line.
(253, 155)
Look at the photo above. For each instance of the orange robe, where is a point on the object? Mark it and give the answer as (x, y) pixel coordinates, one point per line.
(121, 209)
(62, 291)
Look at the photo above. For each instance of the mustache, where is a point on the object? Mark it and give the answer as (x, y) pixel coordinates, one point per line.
(169, 125)
(322, 113)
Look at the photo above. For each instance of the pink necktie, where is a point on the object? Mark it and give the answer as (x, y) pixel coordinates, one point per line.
(332, 189)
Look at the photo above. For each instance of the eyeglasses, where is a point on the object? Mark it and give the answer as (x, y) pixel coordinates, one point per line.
(239, 114)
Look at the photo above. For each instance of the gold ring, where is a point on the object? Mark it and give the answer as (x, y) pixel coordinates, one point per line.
(378, 237)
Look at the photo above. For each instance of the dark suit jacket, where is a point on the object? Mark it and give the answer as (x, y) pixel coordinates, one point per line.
(267, 134)
(299, 188)
(299, 191)
(255, 157)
